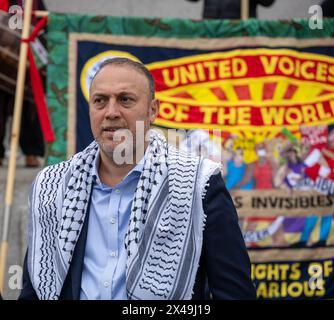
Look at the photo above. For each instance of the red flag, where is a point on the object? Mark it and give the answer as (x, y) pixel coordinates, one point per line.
(38, 92)
(4, 5)
(37, 87)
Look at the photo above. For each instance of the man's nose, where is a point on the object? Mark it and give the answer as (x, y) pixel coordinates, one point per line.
(113, 109)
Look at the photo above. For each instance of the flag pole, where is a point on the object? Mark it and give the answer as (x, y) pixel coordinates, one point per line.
(40, 13)
(19, 93)
(244, 9)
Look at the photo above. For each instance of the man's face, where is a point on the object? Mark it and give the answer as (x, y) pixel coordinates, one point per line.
(119, 96)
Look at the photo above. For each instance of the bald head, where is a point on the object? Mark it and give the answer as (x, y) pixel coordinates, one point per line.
(139, 67)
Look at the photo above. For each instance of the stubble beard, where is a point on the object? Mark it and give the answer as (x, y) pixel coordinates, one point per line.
(125, 144)
(119, 152)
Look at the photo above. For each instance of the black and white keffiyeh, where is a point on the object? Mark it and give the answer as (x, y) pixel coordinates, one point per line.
(165, 232)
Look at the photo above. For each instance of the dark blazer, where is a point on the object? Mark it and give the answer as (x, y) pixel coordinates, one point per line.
(224, 259)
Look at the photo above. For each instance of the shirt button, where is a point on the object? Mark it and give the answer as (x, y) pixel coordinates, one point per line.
(106, 284)
(113, 253)
(117, 190)
(112, 221)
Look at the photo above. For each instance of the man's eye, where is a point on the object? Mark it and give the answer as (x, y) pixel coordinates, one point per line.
(126, 99)
(98, 100)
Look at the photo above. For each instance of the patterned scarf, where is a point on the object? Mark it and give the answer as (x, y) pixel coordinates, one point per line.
(165, 232)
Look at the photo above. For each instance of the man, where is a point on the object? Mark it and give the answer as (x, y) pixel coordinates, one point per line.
(103, 229)
(230, 9)
(328, 8)
(263, 168)
(239, 175)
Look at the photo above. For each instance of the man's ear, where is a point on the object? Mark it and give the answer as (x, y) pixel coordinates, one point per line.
(154, 109)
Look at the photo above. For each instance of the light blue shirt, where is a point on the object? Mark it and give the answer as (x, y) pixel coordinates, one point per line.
(103, 275)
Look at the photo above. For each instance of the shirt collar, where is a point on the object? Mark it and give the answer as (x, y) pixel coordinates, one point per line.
(137, 169)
